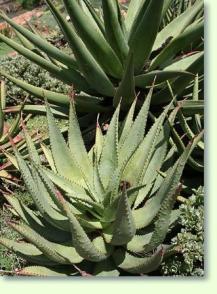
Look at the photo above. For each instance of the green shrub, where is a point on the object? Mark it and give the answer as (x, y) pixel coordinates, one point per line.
(24, 69)
(8, 260)
(190, 240)
(28, 4)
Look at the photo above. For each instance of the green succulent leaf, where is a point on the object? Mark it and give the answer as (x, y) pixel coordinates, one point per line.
(1, 118)
(164, 214)
(192, 107)
(135, 265)
(70, 187)
(38, 92)
(138, 163)
(124, 227)
(136, 132)
(106, 268)
(141, 44)
(144, 216)
(41, 43)
(48, 155)
(93, 39)
(178, 25)
(40, 271)
(196, 164)
(33, 153)
(127, 124)
(76, 144)
(133, 11)
(154, 165)
(63, 159)
(80, 239)
(126, 89)
(31, 185)
(68, 76)
(113, 28)
(37, 222)
(27, 251)
(97, 182)
(193, 32)
(95, 16)
(146, 80)
(90, 68)
(193, 64)
(109, 155)
(195, 97)
(41, 243)
(99, 141)
(51, 212)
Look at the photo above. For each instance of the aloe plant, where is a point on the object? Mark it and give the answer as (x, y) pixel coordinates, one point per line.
(114, 56)
(175, 8)
(190, 123)
(102, 211)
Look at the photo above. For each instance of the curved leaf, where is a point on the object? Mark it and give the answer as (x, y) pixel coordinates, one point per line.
(132, 12)
(109, 156)
(40, 271)
(62, 157)
(80, 239)
(176, 27)
(92, 71)
(124, 227)
(76, 144)
(113, 29)
(126, 89)
(42, 44)
(192, 33)
(193, 64)
(144, 216)
(67, 75)
(26, 251)
(160, 76)
(41, 243)
(141, 44)
(136, 132)
(138, 265)
(93, 39)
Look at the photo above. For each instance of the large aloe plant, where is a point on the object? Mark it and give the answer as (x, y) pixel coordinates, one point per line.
(113, 56)
(105, 211)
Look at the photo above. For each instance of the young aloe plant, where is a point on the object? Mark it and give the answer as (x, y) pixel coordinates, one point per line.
(6, 132)
(113, 56)
(105, 211)
(10, 133)
(191, 124)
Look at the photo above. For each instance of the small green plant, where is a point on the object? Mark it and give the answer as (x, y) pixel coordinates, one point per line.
(105, 211)
(9, 261)
(190, 241)
(28, 4)
(23, 69)
(10, 134)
